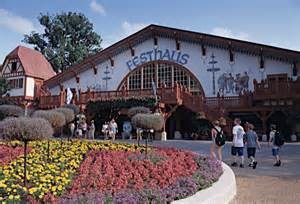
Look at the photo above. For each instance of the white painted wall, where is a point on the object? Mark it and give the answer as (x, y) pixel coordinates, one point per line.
(30, 86)
(196, 64)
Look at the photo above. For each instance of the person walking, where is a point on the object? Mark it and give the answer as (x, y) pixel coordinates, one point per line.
(276, 144)
(216, 147)
(105, 130)
(92, 130)
(113, 128)
(238, 143)
(252, 142)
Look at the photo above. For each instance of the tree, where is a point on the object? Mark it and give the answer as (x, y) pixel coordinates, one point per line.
(25, 129)
(67, 39)
(4, 86)
(10, 111)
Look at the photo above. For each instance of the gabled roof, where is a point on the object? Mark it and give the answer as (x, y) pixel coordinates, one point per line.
(152, 31)
(33, 62)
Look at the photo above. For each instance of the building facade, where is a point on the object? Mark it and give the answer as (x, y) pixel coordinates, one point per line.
(216, 75)
(25, 70)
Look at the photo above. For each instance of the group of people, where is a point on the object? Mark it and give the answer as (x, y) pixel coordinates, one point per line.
(81, 129)
(110, 130)
(244, 137)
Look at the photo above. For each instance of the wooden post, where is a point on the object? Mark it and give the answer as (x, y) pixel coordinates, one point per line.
(264, 122)
(25, 161)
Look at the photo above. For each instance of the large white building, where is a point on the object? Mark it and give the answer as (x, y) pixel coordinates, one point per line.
(205, 63)
(232, 77)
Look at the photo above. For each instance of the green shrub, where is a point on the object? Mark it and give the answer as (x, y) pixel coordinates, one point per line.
(148, 121)
(11, 111)
(25, 129)
(68, 113)
(139, 109)
(73, 107)
(56, 119)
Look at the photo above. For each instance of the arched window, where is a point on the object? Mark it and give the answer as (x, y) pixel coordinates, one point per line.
(161, 73)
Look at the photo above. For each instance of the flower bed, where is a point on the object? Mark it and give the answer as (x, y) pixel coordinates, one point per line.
(97, 172)
(9, 153)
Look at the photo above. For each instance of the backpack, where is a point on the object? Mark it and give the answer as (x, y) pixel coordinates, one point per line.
(220, 138)
(278, 139)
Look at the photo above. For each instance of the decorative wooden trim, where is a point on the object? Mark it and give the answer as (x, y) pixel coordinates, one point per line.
(25, 85)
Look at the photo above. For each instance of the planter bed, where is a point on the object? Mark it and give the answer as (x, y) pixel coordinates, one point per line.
(103, 172)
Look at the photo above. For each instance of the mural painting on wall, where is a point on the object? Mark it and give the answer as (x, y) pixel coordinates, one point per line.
(228, 83)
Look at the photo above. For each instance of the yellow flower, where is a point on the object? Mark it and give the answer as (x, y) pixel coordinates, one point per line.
(11, 197)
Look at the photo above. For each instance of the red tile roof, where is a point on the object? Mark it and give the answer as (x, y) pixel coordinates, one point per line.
(33, 62)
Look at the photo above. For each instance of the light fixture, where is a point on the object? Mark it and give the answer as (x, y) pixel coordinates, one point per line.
(155, 41)
(77, 79)
(112, 63)
(294, 71)
(95, 70)
(203, 50)
(231, 55)
(132, 51)
(177, 45)
(261, 60)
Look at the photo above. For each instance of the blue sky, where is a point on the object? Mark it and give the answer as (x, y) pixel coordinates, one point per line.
(274, 22)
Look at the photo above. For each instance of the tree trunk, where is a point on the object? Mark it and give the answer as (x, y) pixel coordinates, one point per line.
(48, 150)
(25, 162)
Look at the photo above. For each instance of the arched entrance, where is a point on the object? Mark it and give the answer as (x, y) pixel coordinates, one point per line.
(161, 73)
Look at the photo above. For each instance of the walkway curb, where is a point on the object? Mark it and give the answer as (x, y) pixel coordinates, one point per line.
(223, 191)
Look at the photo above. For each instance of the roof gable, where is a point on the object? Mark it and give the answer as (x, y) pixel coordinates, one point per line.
(152, 31)
(33, 62)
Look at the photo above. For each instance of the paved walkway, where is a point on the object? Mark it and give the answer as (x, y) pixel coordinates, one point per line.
(290, 156)
(266, 184)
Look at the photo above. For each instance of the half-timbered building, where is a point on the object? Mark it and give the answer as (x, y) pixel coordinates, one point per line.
(25, 70)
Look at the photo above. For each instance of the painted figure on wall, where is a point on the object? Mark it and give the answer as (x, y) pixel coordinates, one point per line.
(228, 85)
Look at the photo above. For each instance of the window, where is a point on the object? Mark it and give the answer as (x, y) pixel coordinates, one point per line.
(135, 80)
(14, 67)
(164, 75)
(148, 76)
(161, 73)
(16, 83)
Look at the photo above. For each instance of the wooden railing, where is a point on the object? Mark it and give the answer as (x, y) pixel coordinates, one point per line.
(276, 90)
(17, 99)
(180, 95)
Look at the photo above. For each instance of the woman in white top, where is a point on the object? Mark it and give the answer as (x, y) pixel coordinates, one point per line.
(215, 148)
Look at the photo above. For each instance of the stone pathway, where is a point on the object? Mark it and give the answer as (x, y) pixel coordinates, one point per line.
(264, 185)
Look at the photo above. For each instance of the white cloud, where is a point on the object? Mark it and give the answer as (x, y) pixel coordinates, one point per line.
(130, 28)
(226, 32)
(127, 29)
(16, 23)
(97, 7)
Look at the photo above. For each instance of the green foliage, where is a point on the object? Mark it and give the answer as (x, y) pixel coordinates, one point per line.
(67, 39)
(56, 119)
(25, 129)
(135, 110)
(148, 121)
(102, 111)
(10, 111)
(68, 113)
(73, 107)
(4, 86)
